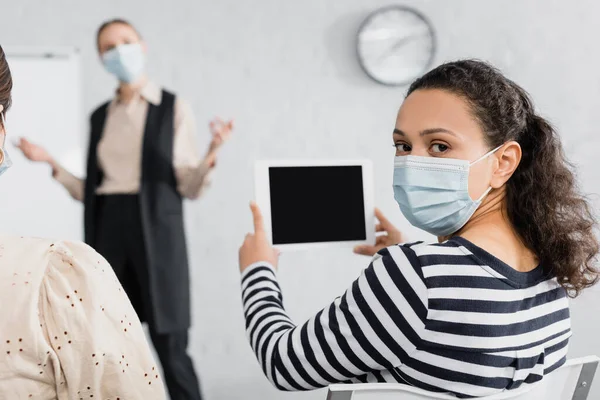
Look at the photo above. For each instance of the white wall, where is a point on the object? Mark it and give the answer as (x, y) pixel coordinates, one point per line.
(286, 71)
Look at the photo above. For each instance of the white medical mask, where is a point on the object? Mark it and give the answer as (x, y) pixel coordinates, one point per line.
(126, 62)
(433, 193)
(5, 162)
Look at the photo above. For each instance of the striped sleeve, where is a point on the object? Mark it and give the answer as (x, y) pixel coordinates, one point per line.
(374, 326)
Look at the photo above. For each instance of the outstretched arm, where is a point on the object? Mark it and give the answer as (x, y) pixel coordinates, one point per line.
(372, 328)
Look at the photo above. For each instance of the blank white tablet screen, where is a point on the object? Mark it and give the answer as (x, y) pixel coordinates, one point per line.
(312, 204)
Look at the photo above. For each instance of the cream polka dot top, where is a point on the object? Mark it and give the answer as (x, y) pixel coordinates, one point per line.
(67, 329)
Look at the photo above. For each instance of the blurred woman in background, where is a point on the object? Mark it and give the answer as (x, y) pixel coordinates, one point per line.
(142, 161)
(483, 310)
(67, 329)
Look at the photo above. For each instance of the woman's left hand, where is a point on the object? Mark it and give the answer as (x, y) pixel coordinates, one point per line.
(221, 132)
(256, 247)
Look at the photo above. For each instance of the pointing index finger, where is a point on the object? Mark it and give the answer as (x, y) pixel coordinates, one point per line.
(257, 218)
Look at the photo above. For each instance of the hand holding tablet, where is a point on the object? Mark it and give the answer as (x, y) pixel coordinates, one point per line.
(389, 236)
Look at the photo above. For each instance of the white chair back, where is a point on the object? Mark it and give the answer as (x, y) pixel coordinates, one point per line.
(572, 381)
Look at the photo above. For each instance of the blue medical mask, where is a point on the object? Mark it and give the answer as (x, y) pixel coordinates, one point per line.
(5, 162)
(433, 193)
(126, 62)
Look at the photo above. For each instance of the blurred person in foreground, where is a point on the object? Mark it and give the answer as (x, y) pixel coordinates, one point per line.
(67, 328)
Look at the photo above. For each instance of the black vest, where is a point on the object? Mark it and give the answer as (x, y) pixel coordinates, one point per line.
(162, 214)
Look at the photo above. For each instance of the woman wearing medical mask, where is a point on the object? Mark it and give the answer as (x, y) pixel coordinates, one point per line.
(142, 161)
(67, 330)
(483, 310)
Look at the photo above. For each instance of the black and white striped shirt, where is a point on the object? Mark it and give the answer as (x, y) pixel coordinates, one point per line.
(446, 317)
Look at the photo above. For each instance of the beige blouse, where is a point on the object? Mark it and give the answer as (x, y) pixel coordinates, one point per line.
(67, 329)
(120, 149)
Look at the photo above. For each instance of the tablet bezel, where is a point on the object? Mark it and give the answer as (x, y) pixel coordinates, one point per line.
(263, 199)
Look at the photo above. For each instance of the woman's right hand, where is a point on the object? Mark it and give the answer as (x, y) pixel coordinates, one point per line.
(34, 152)
(390, 237)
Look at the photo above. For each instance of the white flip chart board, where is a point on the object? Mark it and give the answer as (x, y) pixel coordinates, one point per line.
(47, 109)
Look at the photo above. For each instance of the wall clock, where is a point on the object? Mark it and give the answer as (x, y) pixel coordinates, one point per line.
(395, 45)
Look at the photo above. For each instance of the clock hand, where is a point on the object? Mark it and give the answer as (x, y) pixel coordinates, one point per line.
(398, 44)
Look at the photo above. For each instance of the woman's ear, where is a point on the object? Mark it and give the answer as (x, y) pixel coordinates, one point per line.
(508, 158)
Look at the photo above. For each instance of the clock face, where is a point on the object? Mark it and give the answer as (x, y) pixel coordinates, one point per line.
(395, 45)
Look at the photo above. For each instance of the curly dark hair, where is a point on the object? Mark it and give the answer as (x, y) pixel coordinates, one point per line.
(543, 202)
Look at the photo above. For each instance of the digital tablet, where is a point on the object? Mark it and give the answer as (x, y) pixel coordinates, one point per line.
(308, 204)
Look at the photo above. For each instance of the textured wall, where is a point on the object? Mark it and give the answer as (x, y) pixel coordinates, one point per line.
(286, 71)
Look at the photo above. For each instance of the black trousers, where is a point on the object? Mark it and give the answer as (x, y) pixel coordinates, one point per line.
(120, 240)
